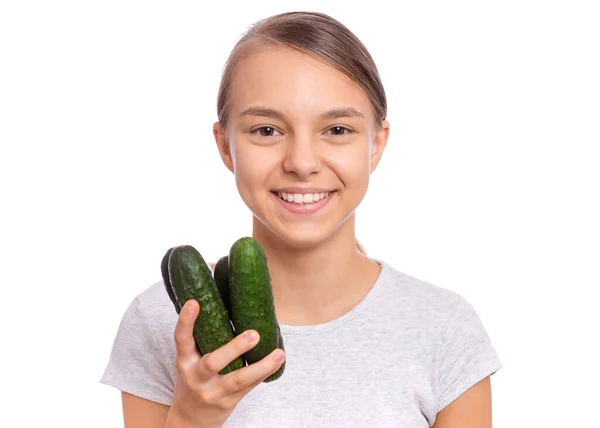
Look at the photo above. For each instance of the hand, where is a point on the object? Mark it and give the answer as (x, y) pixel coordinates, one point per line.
(202, 397)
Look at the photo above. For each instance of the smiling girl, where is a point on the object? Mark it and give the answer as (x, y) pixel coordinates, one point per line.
(302, 126)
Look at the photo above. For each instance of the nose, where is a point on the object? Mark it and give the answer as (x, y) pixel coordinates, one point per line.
(302, 157)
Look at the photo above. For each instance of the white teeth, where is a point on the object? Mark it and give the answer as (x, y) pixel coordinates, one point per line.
(299, 198)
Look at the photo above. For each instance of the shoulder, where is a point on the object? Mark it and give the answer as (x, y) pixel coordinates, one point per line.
(142, 358)
(153, 298)
(429, 313)
(429, 301)
(141, 361)
(418, 297)
(447, 329)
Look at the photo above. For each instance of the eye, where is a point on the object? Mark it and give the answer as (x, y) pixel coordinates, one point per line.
(264, 131)
(340, 130)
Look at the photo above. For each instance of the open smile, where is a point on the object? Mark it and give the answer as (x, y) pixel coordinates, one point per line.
(303, 203)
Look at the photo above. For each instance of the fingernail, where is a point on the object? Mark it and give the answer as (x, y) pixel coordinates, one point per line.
(250, 336)
(279, 356)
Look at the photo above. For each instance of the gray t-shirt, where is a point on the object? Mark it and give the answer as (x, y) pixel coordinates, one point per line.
(406, 351)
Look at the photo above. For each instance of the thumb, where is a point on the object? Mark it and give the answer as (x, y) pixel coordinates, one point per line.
(184, 329)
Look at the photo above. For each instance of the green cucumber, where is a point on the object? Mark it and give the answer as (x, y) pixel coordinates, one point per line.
(251, 298)
(221, 276)
(281, 368)
(164, 270)
(191, 278)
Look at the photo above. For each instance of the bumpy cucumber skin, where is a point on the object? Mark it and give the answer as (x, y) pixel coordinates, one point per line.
(222, 279)
(191, 278)
(164, 270)
(251, 295)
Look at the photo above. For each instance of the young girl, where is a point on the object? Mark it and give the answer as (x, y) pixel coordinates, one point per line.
(301, 125)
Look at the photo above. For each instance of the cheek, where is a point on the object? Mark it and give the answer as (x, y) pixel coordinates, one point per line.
(252, 167)
(351, 164)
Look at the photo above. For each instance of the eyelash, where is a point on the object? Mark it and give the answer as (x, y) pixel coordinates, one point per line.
(343, 128)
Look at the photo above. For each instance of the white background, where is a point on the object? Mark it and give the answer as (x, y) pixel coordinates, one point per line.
(489, 185)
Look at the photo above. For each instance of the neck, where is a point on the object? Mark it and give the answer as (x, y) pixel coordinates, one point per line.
(317, 284)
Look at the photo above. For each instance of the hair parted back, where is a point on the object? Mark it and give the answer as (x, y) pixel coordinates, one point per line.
(315, 34)
(318, 35)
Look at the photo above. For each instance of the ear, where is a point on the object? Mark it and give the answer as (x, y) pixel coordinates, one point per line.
(223, 145)
(379, 143)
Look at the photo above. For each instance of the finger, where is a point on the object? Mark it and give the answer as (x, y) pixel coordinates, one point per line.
(184, 329)
(215, 361)
(253, 374)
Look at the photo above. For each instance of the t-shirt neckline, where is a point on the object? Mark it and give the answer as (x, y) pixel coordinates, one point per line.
(345, 318)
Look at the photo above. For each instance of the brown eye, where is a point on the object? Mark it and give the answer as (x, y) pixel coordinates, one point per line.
(339, 130)
(265, 131)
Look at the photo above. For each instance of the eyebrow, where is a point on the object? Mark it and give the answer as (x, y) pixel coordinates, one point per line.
(335, 113)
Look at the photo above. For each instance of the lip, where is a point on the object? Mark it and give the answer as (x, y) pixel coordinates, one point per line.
(302, 190)
(306, 208)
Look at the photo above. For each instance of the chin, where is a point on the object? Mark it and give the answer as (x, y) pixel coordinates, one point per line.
(303, 236)
(302, 241)
(289, 235)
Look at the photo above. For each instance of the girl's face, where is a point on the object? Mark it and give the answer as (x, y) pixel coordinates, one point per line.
(302, 142)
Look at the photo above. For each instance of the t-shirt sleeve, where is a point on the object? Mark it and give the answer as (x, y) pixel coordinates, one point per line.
(466, 354)
(137, 364)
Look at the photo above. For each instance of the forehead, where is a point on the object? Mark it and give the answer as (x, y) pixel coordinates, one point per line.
(293, 82)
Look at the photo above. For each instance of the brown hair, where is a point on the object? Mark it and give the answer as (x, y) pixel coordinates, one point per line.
(320, 36)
